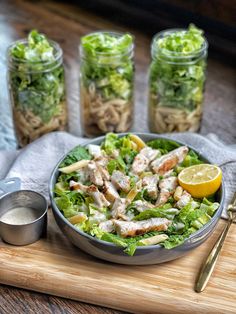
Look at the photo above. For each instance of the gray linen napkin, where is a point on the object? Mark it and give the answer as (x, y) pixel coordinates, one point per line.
(35, 163)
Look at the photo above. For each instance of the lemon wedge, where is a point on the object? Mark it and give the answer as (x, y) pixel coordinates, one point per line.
(201, 180)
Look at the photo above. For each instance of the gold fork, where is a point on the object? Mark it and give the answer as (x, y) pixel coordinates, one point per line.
(210, 262)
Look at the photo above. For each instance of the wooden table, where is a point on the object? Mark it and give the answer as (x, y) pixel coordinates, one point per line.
(66, 23)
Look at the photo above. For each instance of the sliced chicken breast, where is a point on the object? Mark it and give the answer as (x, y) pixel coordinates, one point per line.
(167, 188)
(184, 200)
(150, 184)
(168, 184)
(104, 172)
(120, 181)
(163, 197)
(110, 192)
(170, 160)
(102, 161)
(143, 159)
(98, 197)
(131, 228)
(78, 186)
(119, 208)
(95, 174)
(107, 226)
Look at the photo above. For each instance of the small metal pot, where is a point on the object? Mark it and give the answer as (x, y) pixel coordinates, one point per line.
(25, 233)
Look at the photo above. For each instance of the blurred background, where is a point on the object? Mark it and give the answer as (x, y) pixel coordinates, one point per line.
(216, 17)
(66, 21)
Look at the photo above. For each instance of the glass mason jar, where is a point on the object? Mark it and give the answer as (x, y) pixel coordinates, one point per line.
(106, 89)
(176, 87)
(37, 94)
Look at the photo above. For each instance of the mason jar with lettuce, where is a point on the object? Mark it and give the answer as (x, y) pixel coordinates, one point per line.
(176, 80)
(37, 87)
(106, 82)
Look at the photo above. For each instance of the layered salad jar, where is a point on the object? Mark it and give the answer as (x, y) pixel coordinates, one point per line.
(106, 82)
(37, 87)
(176, 80)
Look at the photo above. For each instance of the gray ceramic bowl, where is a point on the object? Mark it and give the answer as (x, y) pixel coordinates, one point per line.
(144, 255)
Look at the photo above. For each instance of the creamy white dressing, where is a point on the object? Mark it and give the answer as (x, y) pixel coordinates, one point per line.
(19, 216)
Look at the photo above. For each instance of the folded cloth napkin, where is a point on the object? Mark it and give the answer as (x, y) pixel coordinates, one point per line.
(34, 163)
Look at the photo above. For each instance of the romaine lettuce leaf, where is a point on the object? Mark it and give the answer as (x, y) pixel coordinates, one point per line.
(69, 202)
(166, 211)
(165, 146)
(78, 153)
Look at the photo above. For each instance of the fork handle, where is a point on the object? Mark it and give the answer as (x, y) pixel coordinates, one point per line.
(209, 264)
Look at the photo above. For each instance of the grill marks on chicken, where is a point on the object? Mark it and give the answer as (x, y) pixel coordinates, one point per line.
(169, 161)
(131, 228)
(97, 173)
(98, 197)
(143, 159)
(110, 192)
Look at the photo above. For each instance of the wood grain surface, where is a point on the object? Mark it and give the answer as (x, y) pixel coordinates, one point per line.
(66, 23)
(54, 266)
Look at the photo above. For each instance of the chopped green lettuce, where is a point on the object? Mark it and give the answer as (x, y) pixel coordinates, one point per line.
(191, 159)
(174, 80)
(37, 77)
(69, 202)
(165, 211)
(164, 145)
(78, 153)
(184, 42)
(108, 64)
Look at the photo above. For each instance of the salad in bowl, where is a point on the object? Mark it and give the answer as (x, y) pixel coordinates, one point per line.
(123, 191)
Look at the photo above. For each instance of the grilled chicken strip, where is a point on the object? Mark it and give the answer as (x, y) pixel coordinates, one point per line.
(169, 184)
(104, 172)
(150, 184)
(184, 200)
(110, 192)
(167, 188)
(142, 205)
(120, 181)
(143, 159)
(162, 198)
(101, 161)
(169, 161)
(93, 191)
(107, 226)
(97, 196)
(118, 208)
(95, 174)
(131, 228)
(78, 186)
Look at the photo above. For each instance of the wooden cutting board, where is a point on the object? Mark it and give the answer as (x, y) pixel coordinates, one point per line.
(56, 267)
